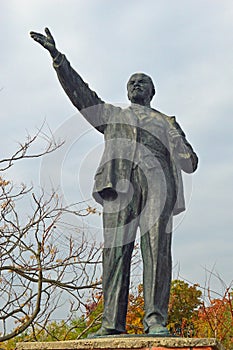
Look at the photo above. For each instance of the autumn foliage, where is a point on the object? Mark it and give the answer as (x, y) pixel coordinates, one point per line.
(135, 312)
(188, 316)
(216, 320)
(184, 304)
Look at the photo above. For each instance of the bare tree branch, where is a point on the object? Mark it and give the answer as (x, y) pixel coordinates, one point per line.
(23, 149)
(43, 261)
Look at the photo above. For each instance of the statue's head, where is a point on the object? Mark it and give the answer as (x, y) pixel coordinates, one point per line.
(140, 89)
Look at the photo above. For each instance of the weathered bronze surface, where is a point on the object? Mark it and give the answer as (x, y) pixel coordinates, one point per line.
(139, 184)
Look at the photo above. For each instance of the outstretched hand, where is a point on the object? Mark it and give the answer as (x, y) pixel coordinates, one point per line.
(47, 41)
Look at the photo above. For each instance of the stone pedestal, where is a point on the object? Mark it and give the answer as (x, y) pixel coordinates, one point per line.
(126, 343)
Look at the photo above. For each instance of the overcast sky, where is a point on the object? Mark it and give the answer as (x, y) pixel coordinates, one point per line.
(186, 46)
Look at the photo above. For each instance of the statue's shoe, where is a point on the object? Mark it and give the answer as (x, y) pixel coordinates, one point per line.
(158, 331)
(103, 332)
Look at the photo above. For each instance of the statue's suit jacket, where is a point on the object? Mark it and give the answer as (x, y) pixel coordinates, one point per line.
(120, 128)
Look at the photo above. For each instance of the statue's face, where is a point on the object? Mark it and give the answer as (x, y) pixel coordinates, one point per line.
(140, 88)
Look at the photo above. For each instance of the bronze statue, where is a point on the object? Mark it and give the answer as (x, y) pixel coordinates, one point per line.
(139, 184)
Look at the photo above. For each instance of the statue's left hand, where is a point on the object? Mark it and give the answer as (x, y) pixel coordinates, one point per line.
(47, 41)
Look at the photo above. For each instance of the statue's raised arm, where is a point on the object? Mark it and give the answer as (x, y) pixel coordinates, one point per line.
(82, 97)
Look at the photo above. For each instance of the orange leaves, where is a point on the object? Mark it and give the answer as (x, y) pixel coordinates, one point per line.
(3, 182)
(216, 320)
(135, 312)
(91, 210)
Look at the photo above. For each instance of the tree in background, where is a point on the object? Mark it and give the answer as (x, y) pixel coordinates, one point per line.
(187, 314)
(44, 261)
(184, 302)
(216, 319)
(135, 312)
